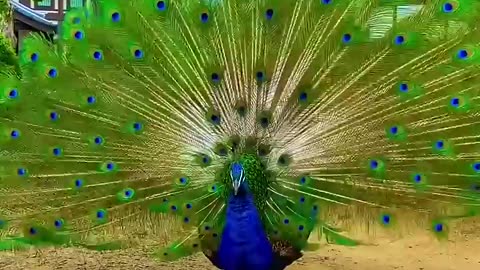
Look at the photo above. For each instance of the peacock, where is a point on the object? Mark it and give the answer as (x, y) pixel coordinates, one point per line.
(248, 122)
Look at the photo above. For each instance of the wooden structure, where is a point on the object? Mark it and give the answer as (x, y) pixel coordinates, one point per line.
(53, 10)
(40, 16)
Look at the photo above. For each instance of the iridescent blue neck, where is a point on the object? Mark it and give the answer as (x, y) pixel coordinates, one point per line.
(244, 243)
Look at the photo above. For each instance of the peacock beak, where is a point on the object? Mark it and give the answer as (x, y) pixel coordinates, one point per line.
(236, 186)
(237, 175)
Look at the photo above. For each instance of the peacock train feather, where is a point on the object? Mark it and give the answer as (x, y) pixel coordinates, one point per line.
(247, 120)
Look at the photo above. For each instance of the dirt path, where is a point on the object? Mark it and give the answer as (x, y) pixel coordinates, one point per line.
(461, 252)
(414, 253)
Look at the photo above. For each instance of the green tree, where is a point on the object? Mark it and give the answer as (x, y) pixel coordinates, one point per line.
(8, 58)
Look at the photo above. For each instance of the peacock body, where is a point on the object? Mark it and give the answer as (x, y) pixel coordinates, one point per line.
(245, 119)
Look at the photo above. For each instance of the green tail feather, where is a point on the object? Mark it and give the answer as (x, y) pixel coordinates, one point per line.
(141, 107)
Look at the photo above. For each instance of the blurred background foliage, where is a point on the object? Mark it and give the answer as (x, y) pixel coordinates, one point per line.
(8, 57)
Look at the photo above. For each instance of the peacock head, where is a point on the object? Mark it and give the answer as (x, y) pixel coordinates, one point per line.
(237, 173)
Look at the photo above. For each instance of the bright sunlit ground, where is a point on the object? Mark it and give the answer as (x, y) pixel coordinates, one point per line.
(460, 252)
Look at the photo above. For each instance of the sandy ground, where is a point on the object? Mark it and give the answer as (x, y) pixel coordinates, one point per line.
(417, 252)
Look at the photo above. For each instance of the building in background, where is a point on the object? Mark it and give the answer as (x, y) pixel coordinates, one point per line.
(40, 16)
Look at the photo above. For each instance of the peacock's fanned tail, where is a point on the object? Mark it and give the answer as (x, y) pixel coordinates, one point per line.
(141, 106)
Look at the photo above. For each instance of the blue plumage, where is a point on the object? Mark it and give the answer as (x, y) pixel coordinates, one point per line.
(244, 243)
